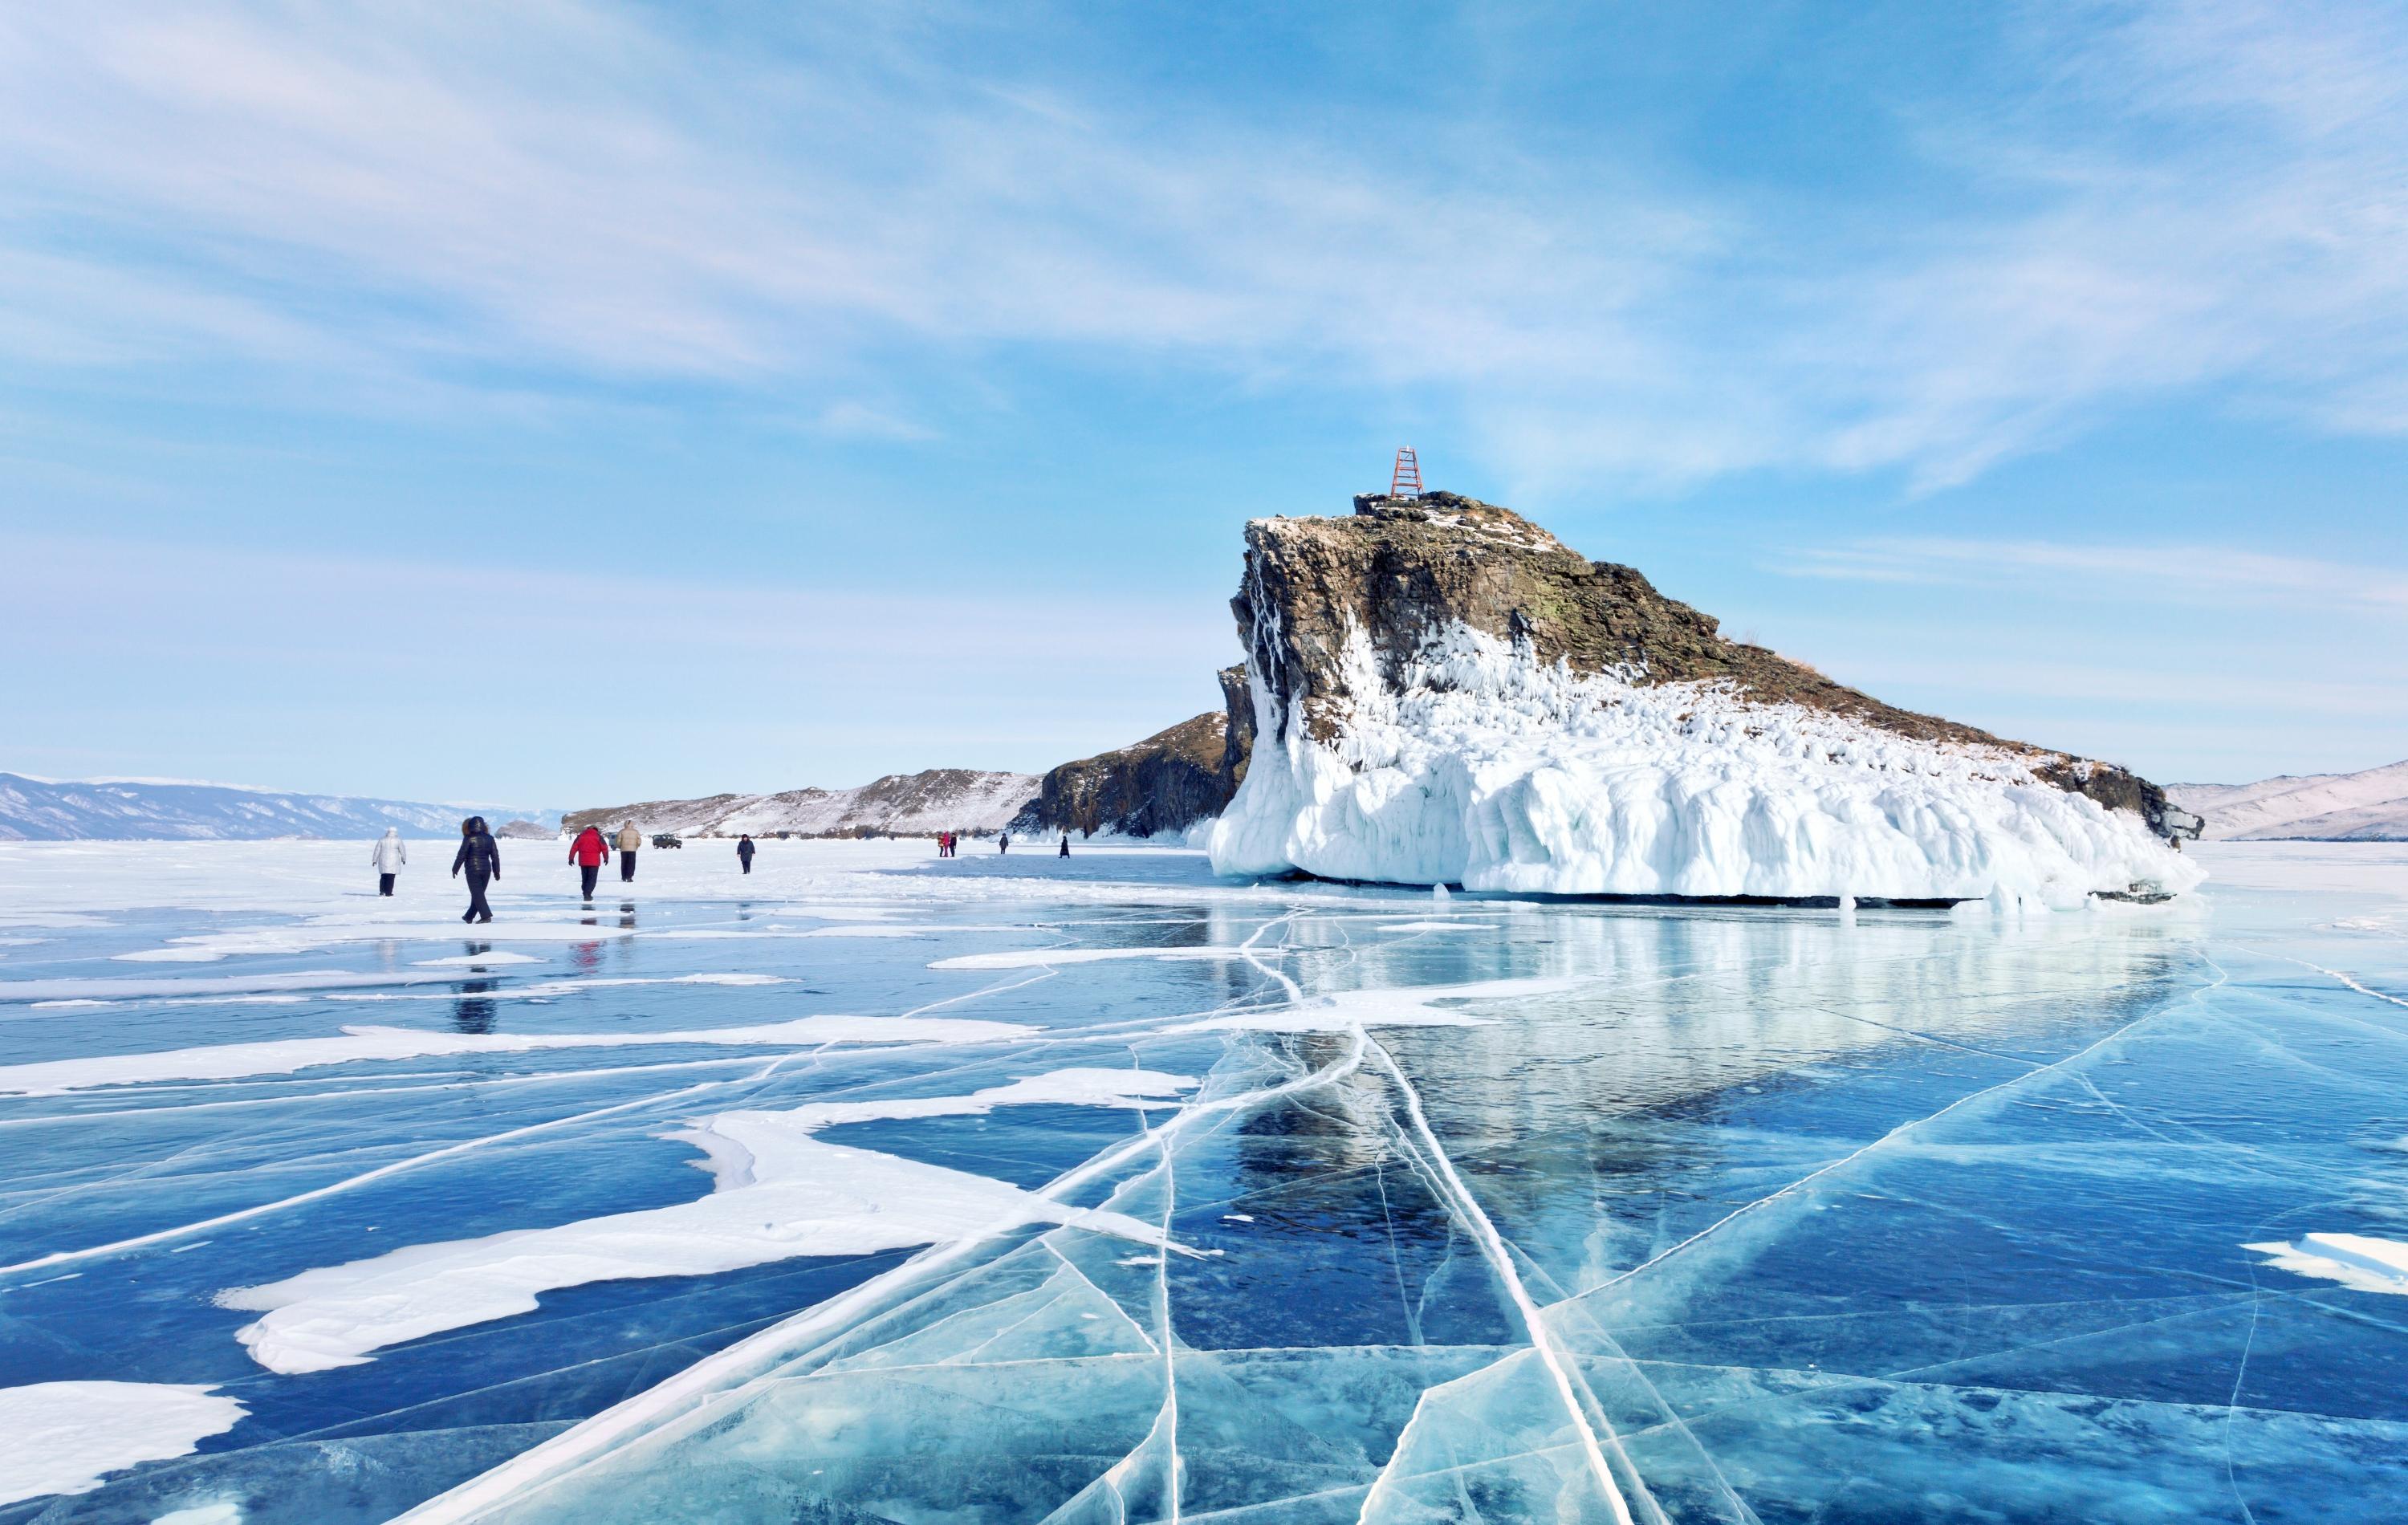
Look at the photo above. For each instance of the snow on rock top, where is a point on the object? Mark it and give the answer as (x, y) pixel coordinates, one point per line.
(1444, 693)
(900, 804)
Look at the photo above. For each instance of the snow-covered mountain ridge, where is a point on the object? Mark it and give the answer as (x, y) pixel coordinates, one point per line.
(2367, 806)
(1444, 693)
(123, 810)
(900, 804)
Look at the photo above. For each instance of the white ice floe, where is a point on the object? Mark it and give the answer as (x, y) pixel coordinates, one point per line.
(310, 935)
(778, 1193)
(2360, 1261)
(62, 1437)
(1063, 1088)
(699, 934)
(1484, 766)
(336, 985)
(1408, 1006)
(479, 961)
(59, 991)
(235, 1062)
(1033, 958)
(1437, 927)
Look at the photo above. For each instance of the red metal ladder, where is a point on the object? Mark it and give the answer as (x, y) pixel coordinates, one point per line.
(1407, 483)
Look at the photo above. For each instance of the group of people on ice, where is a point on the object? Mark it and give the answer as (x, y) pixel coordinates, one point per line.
(948, 843)
(480, 858)
(591, 849)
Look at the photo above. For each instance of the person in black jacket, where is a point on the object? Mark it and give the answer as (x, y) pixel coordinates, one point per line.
(744, 851)
(482, 861)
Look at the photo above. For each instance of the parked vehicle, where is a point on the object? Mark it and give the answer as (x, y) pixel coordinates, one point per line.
(666, 839)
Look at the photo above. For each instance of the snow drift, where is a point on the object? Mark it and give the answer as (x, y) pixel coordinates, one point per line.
(1445, 694)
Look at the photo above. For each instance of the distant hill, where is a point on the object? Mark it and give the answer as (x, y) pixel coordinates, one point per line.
(2370, 806)
(120, 810)
(900, 804)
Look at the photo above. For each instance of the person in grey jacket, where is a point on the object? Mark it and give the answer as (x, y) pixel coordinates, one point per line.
(388, 854)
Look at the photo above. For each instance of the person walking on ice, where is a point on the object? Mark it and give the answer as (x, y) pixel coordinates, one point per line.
(629, 840)
(1002, 843)
(744, 851)
(388, 854)
(1066, 846)
(481, 860)
(587, 852)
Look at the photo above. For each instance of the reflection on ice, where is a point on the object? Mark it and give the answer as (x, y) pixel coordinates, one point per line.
(1282, 1202)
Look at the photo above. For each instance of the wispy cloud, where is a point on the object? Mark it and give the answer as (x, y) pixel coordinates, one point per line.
(2207, 196)
(2199, 574)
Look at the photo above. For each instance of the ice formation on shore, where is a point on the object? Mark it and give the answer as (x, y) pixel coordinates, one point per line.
(1485, 767)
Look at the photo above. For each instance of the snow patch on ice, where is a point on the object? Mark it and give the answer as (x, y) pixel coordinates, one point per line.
(1064, 1088)
(1032, 958)
(2359, 1261)
(777, 1193)
(1408, 1006)
(1483, 766)
(95, 990)
(234, 1062)
(65, 1436)
(477, 959)
(318, 933)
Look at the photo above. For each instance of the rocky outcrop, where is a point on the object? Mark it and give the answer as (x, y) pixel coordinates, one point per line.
(898, 805)
(1238, 743)
(1402, 568)
(1448, 692)
(1158, 786)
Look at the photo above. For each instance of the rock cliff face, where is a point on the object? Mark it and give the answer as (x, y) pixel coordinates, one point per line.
(1158, 786)
(1447, 693)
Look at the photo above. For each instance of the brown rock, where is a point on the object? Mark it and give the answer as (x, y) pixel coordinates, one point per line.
(1406, 569)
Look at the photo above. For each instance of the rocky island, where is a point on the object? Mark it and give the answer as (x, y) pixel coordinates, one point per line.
(1444, 693)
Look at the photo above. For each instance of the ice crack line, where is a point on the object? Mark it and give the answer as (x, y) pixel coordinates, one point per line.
(350, 1181)
(2343, 978)
(696, 1394)
(1895, 1134)
(1492, 1246)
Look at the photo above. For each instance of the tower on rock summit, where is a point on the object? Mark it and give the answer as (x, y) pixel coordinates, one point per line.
(1407, 481)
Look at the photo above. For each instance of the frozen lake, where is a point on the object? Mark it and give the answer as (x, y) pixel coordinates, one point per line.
(875, 1187)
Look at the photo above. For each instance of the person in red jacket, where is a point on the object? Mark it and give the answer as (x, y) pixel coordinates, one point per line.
(588, 852)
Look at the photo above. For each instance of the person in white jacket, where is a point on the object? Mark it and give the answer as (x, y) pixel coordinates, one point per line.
(388, 854)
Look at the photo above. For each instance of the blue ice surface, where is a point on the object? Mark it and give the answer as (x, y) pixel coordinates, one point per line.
(1886, 1216)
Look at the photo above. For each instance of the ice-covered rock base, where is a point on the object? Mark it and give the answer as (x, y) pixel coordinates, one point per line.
(1478, 765)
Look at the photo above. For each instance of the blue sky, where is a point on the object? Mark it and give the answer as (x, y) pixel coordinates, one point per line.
(569, 401)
